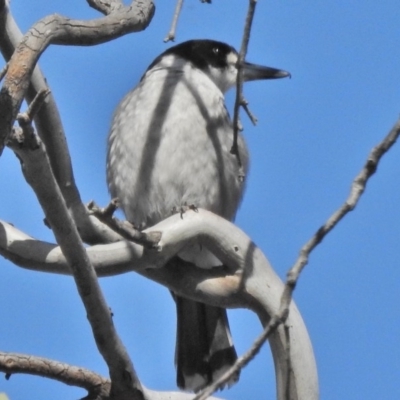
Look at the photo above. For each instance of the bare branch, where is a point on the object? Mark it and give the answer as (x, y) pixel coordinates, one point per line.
(288, 362)
(240, 101)
(178, 8)
(12, 363)
(202, 285)
(3, 72)
(245, 105)
(50, 129)
(55, 29)
(247, 281)
(38, 174)
(47, 120)
(106, 6)
(98, 387)
(241, 362)
(171, 33)
(25, 119)
(357, 189)
(123, 228)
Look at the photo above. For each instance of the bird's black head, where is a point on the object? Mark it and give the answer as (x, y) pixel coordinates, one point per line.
(201, 53)
(219, 61)
(204, 54)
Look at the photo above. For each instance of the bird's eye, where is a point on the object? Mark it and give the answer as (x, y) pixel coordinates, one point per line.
(216, 50)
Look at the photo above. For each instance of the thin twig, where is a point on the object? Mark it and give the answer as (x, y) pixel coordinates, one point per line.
(239, 101)
(37, 103)
(252, 117)
(3, 72)
(26, 118)
(357, 189)
(123, 228)
(288, 362)
(241, 362)
(172, 31)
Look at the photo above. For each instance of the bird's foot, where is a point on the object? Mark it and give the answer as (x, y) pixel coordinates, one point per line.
(183, 208)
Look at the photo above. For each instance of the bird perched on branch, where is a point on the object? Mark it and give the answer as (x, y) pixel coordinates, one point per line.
(169, 146)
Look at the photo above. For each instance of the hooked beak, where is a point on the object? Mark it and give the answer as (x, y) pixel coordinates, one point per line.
(252, 72)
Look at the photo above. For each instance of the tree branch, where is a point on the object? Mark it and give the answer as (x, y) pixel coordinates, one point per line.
(98, 387)
(172, 31)
(55, 29)
(50, 129)
(241, 285)
(12, 363)
(357, 189)
(118, 386)
(282, 315)
(37, 171)
(123, 228)
(106, 6)
(240, 101)
(247, 281)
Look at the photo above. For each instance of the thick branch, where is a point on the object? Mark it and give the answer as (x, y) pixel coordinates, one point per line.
(106, 6)
(50, 129)
(38, 174)
(97, 386)
(282, 315)
(222, 287)
(55, 29)
(12, 363)
(248, 281)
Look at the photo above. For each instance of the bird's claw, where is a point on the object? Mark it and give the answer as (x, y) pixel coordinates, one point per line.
(183, 208)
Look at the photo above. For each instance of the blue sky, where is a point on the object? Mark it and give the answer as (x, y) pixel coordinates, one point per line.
(313, 136)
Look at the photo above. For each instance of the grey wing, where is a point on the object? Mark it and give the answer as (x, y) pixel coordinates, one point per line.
(125, 148)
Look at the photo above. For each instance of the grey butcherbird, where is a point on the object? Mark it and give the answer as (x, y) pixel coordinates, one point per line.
(169, 145)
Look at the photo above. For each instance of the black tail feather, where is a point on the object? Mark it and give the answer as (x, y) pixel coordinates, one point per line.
(204, 348)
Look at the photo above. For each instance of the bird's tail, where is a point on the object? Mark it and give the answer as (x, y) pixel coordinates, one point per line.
(204, 348)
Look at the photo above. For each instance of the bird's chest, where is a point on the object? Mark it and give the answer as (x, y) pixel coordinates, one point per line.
(175, 150)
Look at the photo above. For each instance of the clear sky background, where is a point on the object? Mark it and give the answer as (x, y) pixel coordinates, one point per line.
(313, 136)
